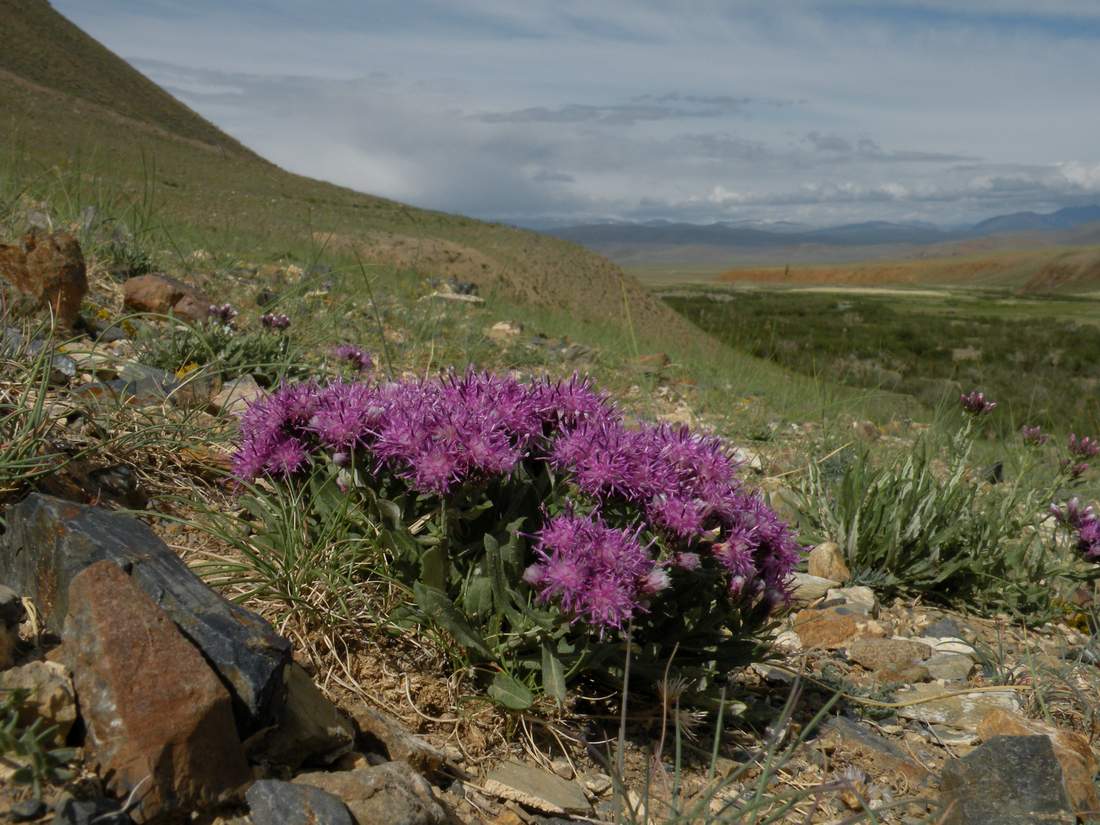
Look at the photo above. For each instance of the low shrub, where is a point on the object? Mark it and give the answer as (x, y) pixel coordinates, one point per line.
(533, 526)
(934, 524)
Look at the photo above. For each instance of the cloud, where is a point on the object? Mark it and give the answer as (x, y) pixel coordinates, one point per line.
(822, 112)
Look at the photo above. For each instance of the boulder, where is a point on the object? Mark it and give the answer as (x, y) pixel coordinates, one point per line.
(1009, 780)
(159, 722)
(387, 794)
(271, 802)
(49, 694)
(162, 295)
(49, 541)
(1071, 749)
(827, 561)
(50, 268)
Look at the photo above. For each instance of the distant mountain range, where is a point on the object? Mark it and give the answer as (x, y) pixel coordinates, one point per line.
(762, 236)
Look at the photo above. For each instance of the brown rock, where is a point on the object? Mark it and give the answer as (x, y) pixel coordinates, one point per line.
(903, 674)
(386, 734)
(387, 794)
(161, 294)
(880, 654)
(1071, 749)
(860, 739)
(158, 720)
(832, 628)
(51, 269)
(827, 561)
(237, 395)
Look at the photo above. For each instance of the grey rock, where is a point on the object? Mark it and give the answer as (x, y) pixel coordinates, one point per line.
(49, 541)
(874, 747)
(536, 788)
(1009, 780)
(807, 588)
(13, 344)
(964, 711)
(388, 794)
(27, 810)
(951, 667)
(309, 727)
(944, 628)
(857, 597)
(271, 802)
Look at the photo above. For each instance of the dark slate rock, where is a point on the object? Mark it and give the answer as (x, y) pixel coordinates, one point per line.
(87, 811)
(945, 628)
(62, 367)
(271, 802)
(1009, 780)
(50, 540)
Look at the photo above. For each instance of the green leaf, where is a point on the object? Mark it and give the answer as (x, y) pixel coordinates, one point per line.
(510, 692)
(553, 674)
(440, 610)
(434, 567)
(478, 598)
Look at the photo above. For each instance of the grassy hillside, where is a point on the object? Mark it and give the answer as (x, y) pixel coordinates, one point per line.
(65, 99)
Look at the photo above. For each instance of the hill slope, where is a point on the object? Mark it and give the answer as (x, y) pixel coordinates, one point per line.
(66, 99)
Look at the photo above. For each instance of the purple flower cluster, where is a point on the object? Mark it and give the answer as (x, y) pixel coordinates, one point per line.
(1083, 446)
(437, 435)
(224, 313)
(354, 357)
(275, 320)
(1084, 521)
(975, 403)
(1033, 435)
(597, 573)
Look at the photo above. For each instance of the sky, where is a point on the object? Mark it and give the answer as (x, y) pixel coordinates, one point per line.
(541, 111)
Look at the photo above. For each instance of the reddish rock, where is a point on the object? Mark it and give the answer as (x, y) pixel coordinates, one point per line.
(158, 720)
(161, 294)
(1071, 749)
(49, 268)
(833, 627)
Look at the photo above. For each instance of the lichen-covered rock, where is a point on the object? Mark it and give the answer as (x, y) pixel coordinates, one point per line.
(49, 541)
(49, 696)
(159, 722)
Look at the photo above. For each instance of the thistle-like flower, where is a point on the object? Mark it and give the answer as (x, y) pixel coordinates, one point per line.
(1033, 435)
(353, 356)
(975, 403)
(275, 320)
(1083, 446)
(223, 313)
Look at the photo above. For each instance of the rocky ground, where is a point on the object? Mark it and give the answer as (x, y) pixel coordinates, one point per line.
(178, 704)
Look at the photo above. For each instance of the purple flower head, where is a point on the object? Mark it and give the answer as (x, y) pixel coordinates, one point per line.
(1033, 435)
(568, 403)
(1072, 513)
(345, 415)
(275, 320)
(1083, 447)
(1088, 540)
(353, 356)
(975, 403)
(273, 433)
(1074, 469)
(595, 572)
(224, 313)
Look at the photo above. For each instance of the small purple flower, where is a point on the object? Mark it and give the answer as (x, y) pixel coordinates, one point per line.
(224, 313)
(352, 355)
(1083, 447)
(975, 403)
(1033, 435)
(275, 320)
(1084, 521)
(1072, 514)
(1074, 469)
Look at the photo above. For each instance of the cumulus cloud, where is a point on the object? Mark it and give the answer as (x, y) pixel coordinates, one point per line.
(820, 112)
